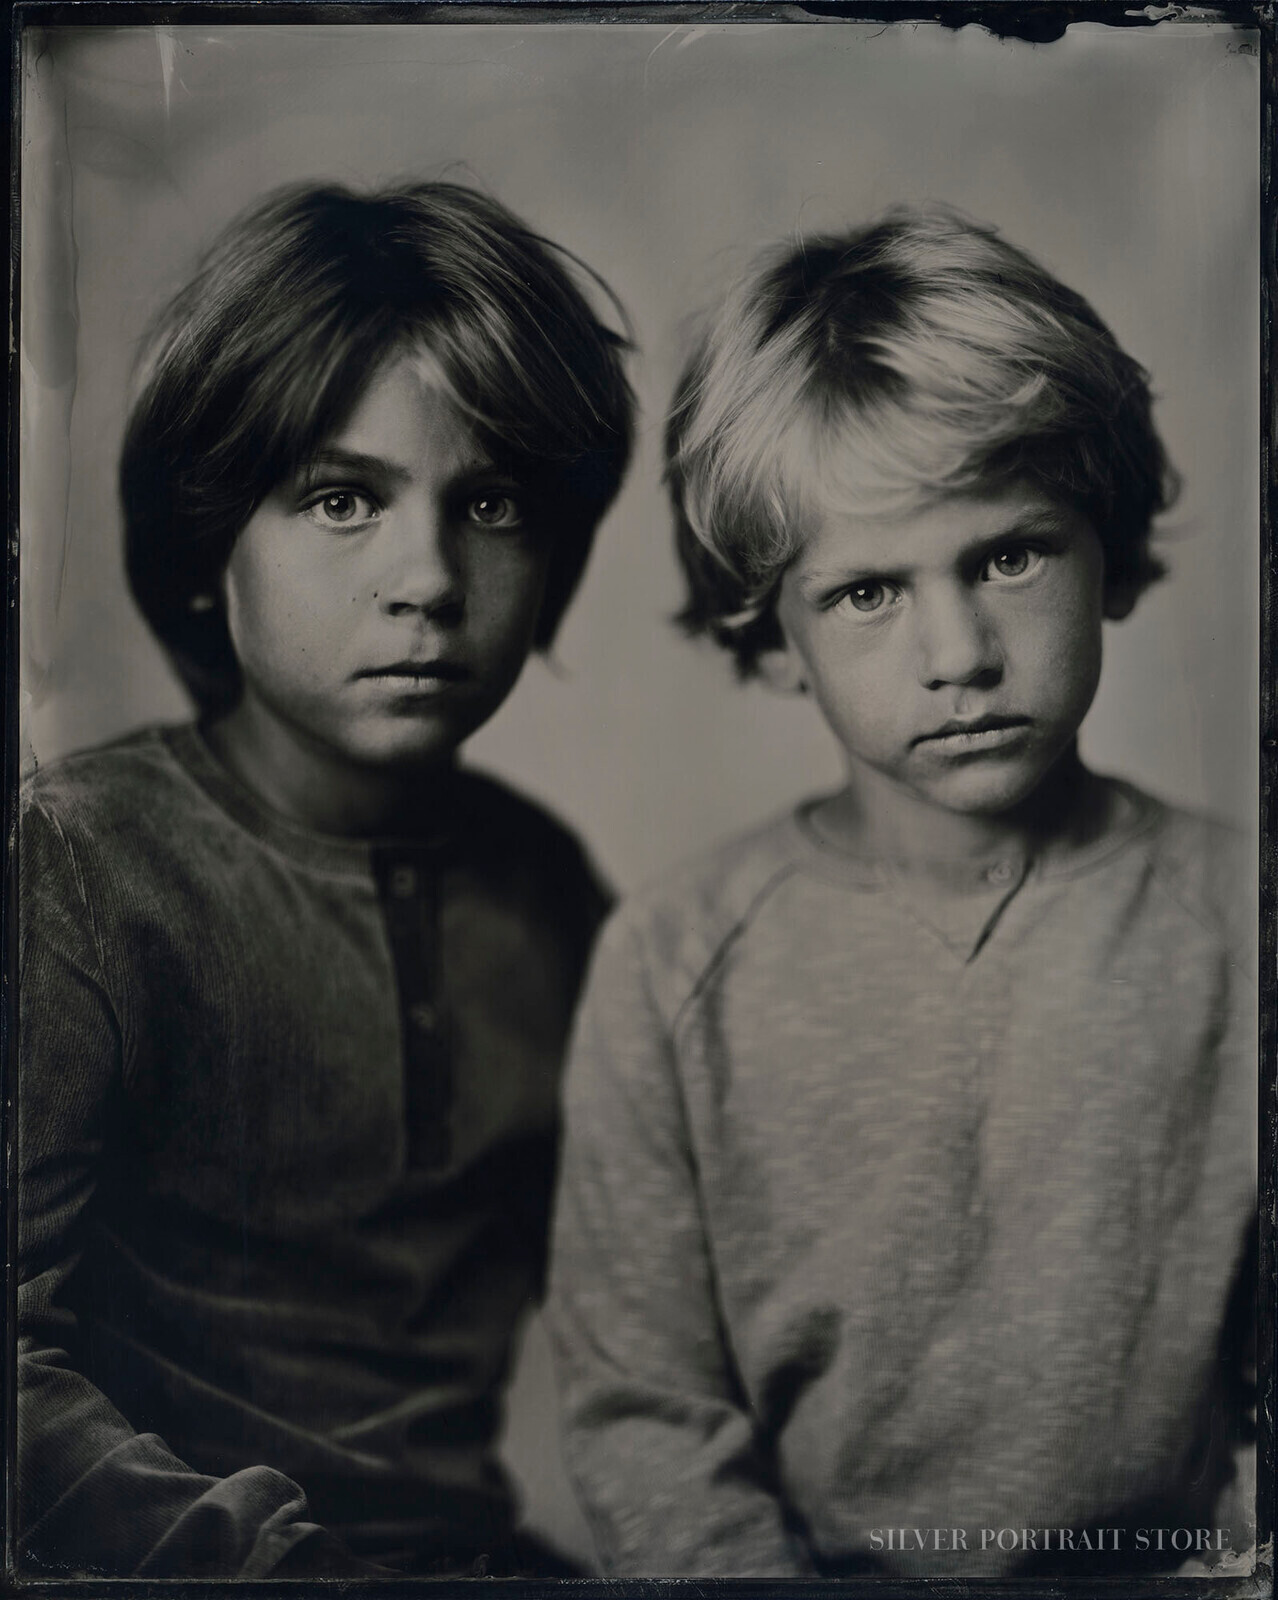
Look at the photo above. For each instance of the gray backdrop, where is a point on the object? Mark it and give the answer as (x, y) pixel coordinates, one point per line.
(1125, 159)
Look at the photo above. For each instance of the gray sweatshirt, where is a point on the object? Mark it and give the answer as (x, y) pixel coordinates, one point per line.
(914, 1203)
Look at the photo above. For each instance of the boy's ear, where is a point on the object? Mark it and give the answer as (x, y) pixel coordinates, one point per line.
(1119, 600)
(781, 669)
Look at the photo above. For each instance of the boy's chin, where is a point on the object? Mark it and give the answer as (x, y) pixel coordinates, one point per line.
(404, 746)
(988, 790)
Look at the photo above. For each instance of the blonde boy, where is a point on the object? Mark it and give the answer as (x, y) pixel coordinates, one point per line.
(908, 1189)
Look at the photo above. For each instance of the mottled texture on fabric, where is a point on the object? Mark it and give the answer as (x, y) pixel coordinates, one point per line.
(891, 1202)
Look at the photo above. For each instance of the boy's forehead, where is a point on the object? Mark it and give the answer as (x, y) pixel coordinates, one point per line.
(407, 407)
(865, 463)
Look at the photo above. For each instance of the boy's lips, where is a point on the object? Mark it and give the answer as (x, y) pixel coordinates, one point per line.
(962, 734)
(437, 670)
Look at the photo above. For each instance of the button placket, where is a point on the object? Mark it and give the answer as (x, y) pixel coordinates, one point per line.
(408, 880)
(424, 1017)
(403, 881)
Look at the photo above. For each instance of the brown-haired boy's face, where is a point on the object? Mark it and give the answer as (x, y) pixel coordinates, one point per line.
(383, 602)
(954, 651)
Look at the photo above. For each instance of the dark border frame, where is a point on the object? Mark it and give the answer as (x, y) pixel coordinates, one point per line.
(1036, 21)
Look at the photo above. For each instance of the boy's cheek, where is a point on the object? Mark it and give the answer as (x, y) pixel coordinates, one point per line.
(502, 613)
(866, 717)
(865, 676)
(1074, 665)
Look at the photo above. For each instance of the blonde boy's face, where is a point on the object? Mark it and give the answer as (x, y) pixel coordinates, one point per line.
(954, 651)
(382, 604)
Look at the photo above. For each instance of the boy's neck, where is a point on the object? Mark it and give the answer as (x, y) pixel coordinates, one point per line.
(308, 784)
(871, 818)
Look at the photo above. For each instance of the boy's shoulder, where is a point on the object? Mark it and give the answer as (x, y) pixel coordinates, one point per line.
(508, 820)
(518, 846)
(680, 924)
(120, 782)
(1208, 866)
(144, 765)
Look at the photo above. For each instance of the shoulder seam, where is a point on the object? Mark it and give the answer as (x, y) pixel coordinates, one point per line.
(719, 953)
(1164, 875)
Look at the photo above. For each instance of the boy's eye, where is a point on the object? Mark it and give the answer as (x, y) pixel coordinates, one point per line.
(494, 511)
(340, 508)
(1014, 562)
(864, 597)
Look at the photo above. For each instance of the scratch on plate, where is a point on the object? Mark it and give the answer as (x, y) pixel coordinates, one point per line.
(166, 44)
(665, 39)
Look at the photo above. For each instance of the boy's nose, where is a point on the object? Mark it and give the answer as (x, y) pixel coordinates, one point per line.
(956, 642)
(423, 567)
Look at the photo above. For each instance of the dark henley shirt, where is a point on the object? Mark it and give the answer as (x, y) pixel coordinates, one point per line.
(288, 1109)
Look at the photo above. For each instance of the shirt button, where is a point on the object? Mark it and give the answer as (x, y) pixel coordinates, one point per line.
(423, 1016)
(1000, 872)
(403, 883)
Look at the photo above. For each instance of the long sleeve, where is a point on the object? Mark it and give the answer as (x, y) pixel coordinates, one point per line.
(93, 1494)
(659, 1437)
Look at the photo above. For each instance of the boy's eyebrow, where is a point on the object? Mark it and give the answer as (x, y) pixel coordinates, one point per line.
(1036, 520)
(334, 457)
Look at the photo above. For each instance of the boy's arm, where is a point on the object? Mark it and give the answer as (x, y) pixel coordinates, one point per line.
(93, 1494)
(659, 1438)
